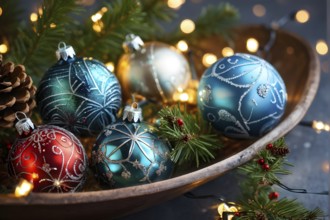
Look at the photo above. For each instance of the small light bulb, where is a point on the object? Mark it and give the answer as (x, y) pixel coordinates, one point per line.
(23, 188)
(187, 26)
(227, 51)
(33, 17)
(52, 25)
(96, 17)
(3, 48)
(208, 59)
(97, 27)
(40, 11)
(302, 16)
(184, 97)
(321, 47)
(252, 45)
(110, 66)
(104, 9)
(182, 46)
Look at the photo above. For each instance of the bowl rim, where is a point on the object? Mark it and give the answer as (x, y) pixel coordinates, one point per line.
(201, 175)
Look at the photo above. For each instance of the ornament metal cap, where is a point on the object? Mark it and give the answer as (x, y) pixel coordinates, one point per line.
(24, 125)
(132, 43)
(132, 113)
(65, 51)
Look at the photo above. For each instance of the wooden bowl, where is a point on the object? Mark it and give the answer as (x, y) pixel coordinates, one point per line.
(294, 59)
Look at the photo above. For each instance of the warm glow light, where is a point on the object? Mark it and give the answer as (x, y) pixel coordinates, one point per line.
(35, 176)
(57, 183)
(23, 188)
(3, 48)
(223, 207)
(326, 166)
(110, 66)
(187, 26)
(252, 45)
(97, 27)
(52, 25)
(184, 97)
(302, 16)
(259, 10)
(40, 11)
(104, 9)
(96, 17)
(321, 47)
(0, 11)
(208, 59)
(319, 126)
(227, 51)
(182, 46)
(33, 17)
(175, 4)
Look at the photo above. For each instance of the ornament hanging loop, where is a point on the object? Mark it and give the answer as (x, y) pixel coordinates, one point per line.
(64, 51)
(132, 43)
(132, 113)
(23, 125)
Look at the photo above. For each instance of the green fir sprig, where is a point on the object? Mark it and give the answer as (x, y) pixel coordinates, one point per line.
(189, 141)
(259, 199)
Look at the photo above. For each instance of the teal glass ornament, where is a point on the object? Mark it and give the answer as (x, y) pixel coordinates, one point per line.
(78, 94)
(242, 96)
(128, 153)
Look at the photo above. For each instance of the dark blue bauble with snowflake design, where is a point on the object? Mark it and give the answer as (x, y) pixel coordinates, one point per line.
(129, 153)
(79, 94)
(242, 96)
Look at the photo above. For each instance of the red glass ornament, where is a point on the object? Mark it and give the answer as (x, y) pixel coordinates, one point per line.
(273, 195)
(269, 146)
(180, 122)
(50, 157)
(265, 167)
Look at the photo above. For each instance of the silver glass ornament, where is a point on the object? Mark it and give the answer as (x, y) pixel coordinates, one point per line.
(154, 70)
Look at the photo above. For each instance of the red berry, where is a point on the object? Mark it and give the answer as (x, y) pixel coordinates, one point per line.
(237, 214)
(269, 146)
(273, 195)
(265, 167)
(180, 122)
(261, 161)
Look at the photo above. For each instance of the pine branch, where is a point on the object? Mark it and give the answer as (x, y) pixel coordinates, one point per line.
(259, 202)
(213, 20)
(37, 42)
(9, 19)
(121, 18)
(188, 140)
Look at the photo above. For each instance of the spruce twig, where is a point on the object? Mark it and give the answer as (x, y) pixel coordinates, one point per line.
(189, 142)
(260, 174)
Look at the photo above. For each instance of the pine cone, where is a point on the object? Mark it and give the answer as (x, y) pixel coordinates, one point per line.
(16, 93)
(280, 151)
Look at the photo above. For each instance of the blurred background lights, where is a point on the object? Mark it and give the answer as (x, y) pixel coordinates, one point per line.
(182, 46)
(33, 17)
(110, 66)
(252, 45)
(40, 11)
(302, 16)
(321, 47)
(96, 17)
(52, 25)
(259, 10)
(227, 51)
(187, 26)
(3, 48)
(208, 59)
(175, 4)
(0, 11)
(23, 188)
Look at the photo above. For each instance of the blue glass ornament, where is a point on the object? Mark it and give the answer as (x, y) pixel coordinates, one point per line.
(128, 153)
(243, 96)
(79, 94)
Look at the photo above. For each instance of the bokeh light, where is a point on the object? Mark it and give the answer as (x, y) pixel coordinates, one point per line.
(227, 51)
(321, 47)
(252, 45)
(259, 10)
(33, 17)
(110, 66)
(302, 16)
(3, 48)
(182, 46)
(208, 59)
(175, 4)
(187, 26)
